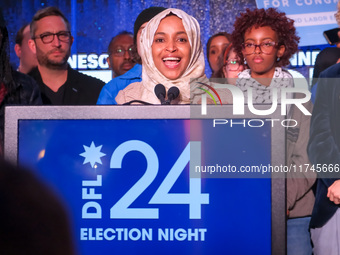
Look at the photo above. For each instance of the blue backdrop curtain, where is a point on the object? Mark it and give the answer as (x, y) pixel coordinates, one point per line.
(94, 23)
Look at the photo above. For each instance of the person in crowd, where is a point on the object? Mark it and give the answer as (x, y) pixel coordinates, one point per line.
(326, 58)
(301, 183)
(324, 153)
(215, 49)
(28, 59)
(33, 220)
(15, 88)
(172, 55)
(266, 39)
(120, 53)
(232, 66)
(110, 90)
(59, 83)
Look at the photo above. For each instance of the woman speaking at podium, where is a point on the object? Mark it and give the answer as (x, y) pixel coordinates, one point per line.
(172, 57)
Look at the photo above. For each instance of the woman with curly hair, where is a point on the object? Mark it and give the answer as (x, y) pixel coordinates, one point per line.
(266, 40)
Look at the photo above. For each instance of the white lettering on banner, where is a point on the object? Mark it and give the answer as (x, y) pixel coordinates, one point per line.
(316, 2)
(313, 19)
(304, 58)
(180, 234)
(285, 3)
(143, 234)
(93, 61)
(82, 61)
(275, 3)
(91, 209)
(98, 62)
(122, 209)
(195, 199)
(88, 61)
(118, 234)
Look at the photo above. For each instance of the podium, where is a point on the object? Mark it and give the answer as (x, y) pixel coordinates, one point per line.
(158, 179)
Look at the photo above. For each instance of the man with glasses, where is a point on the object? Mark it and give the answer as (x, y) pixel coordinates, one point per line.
(120, 53)
(109, 92)
(59, 84)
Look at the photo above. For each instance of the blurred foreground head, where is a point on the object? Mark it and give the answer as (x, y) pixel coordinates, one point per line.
(32, 219)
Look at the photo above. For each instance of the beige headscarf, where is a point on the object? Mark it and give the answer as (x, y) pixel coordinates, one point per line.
(151, 75)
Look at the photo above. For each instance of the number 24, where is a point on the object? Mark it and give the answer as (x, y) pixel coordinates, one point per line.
(162, 196)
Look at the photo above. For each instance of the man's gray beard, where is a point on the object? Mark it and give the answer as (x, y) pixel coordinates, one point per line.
(60, 65)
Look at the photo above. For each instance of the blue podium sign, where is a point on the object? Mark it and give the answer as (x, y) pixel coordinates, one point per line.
(127, 184)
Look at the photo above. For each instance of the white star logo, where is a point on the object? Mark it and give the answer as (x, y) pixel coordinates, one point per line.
(92, 155)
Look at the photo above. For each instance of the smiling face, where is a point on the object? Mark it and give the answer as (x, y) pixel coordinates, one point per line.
(262, 64)
(216, 50)
(53, 55)
(171, 49)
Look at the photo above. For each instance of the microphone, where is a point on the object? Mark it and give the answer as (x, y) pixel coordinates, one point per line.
(160, 93)
(173, 93)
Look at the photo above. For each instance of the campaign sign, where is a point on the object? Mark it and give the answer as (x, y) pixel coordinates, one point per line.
(312, 17)
(128, 188)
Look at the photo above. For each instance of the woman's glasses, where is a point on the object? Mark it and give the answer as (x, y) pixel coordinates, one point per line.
(265, 47)
(232, 64)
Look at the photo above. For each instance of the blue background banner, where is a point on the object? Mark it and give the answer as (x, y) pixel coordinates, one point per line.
(95, 22)
(311, 17)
